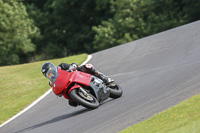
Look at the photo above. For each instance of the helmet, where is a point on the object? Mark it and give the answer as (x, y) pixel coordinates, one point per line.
(45, 67)
(50, 71)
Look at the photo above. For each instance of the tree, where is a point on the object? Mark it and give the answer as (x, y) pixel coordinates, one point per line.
(16, 32)
(75, 26)
(66, 25)
(191, 9)
(134, 19)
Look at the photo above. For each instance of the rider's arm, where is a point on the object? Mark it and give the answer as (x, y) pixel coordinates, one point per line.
(88, 68)
(64, 66)
(80, 68)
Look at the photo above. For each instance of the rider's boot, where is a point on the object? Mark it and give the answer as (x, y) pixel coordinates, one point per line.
(72, 103)
(103, 77)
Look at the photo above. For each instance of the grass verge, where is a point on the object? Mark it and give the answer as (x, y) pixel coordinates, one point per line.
(20, 85)
(182, 118)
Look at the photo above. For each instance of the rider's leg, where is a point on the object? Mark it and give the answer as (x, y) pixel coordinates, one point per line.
(103, 77)
(89, 68)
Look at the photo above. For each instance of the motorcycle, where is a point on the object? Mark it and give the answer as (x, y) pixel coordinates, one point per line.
(83, 88)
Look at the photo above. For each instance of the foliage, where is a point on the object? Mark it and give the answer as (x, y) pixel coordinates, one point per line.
(16, 33)
(191, 9)
(135, 19)
(67, 27)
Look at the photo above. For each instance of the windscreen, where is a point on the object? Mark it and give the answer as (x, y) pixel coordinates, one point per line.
(52, 74)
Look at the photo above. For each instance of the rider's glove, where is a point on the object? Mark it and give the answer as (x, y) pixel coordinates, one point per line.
(73, 67)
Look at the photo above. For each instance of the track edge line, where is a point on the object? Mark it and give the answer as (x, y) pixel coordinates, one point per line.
(39, 99)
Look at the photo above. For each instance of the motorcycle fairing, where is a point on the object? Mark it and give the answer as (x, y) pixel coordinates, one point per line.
(65, 79)
(61, 81)
(66, 92)
(101, 91)
(80, 77)
(64, 84)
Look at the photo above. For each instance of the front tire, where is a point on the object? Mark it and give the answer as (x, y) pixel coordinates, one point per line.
(91, 103)
(115, 91)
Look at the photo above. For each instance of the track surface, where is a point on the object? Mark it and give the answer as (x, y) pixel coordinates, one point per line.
(155, 73)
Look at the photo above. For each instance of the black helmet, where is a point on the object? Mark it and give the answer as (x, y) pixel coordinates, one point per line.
(46, 66)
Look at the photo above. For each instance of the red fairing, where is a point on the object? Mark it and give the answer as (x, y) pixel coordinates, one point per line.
(65, 79)
(74, 87)
(80, 77)
(61, 81)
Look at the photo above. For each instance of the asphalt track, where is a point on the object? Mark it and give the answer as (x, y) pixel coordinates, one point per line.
(156, 72)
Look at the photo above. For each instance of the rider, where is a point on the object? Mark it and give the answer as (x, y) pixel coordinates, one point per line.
(88, 68)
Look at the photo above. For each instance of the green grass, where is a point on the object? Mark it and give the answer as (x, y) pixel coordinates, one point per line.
(20, 85)
(182, 118)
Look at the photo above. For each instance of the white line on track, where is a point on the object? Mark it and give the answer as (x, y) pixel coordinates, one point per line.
(39, 99)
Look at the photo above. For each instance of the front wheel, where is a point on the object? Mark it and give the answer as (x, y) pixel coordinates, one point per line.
(85, 99)
(115, 91)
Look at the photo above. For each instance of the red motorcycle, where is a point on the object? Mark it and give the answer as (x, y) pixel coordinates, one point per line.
(83, 88)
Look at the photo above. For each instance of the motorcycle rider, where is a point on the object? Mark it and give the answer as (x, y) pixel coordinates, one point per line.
(88, 68)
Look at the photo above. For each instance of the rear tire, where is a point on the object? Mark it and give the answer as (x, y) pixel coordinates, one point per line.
(115, 91)
(91, 104)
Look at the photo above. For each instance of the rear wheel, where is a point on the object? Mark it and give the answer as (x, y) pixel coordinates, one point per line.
(83, 98)
(115, 91)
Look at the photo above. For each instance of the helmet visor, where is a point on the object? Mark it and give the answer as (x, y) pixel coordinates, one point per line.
(52, 74)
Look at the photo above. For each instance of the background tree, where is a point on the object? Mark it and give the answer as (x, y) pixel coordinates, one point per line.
(191, 9)
(16, 32)
(72, 27)
(66, 25)
(134, 19)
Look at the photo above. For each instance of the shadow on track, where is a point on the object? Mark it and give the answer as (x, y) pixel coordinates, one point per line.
(56, 119)
(107, 101)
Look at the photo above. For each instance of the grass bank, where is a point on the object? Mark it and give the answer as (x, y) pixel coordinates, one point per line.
(20, 85)
(182, 118)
